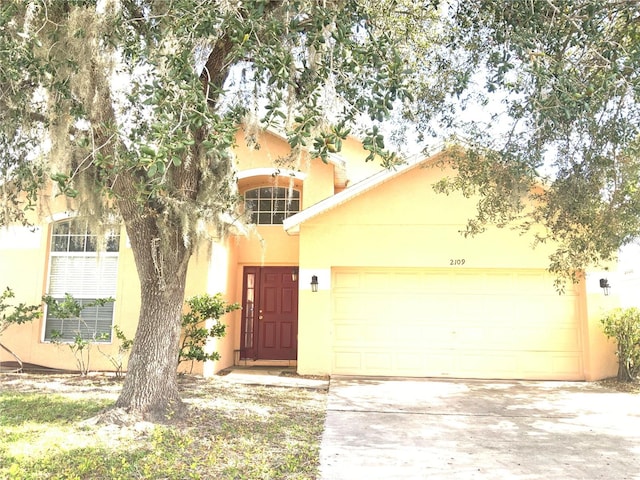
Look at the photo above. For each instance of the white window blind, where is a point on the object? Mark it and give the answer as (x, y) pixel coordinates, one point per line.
(87, 276)
(83, 276)
(94, 323)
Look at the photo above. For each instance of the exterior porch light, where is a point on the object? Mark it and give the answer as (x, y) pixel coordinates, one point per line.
(604, 285)
(314, 283)
(294, 274)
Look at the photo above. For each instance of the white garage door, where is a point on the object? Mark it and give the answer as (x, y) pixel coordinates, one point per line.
(454, 323)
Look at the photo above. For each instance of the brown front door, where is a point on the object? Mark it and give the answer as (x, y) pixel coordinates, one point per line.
(270, 313)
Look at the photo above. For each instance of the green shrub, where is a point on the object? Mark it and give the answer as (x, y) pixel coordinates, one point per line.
(12, 314)
(194, 331)
(623, 325)
(124, 348)
(16, 314)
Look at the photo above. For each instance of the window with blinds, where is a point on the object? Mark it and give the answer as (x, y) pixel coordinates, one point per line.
(77, 268)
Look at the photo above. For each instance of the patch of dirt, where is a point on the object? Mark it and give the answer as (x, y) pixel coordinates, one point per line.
(118, 424)
(61, 383)
(627, 387)
(197, 393)
(108, 385)
(287, 373)
(227, 427)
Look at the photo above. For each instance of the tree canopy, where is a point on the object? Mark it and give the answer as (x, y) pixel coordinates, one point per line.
(566, 76)
(130, 108)
(158, 89)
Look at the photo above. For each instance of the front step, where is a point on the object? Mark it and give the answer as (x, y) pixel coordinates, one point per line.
(265, 363)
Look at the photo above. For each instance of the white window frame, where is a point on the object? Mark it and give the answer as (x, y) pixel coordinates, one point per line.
(274, 214)
(98, 271)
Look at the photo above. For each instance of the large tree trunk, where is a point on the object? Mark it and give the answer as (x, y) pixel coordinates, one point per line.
(161, 256)
(150, 386)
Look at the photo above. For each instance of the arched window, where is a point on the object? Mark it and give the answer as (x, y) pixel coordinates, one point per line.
(271, 205)
(78, 269)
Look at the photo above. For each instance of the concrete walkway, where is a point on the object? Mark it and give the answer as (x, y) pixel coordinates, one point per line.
(432, 429)
(273, 376)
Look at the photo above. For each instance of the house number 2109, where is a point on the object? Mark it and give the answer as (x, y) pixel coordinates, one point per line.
(456, 262)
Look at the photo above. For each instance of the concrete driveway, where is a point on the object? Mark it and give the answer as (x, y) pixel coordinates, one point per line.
(459, 429)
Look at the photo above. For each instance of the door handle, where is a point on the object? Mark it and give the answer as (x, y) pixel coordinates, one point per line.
(260, 317)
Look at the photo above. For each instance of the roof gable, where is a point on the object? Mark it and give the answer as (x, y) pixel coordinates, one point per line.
(292, 224)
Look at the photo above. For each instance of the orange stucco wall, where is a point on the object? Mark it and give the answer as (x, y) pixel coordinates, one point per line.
(270, 150)
(404, 223)
(357, 168)
(26, 250)
(401, 223)
(600, 358)
(26, 340)
(215, 267)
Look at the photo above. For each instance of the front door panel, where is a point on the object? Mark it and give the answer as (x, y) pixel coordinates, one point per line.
(275, 316)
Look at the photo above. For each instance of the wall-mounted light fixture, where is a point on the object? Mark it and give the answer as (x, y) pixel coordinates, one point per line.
(294, 274)
(314, 283)
(604, 285)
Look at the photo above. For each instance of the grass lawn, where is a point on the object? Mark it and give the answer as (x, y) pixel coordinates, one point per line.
(231, 432)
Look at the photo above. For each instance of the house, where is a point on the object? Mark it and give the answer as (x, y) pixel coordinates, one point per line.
(350, 270)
